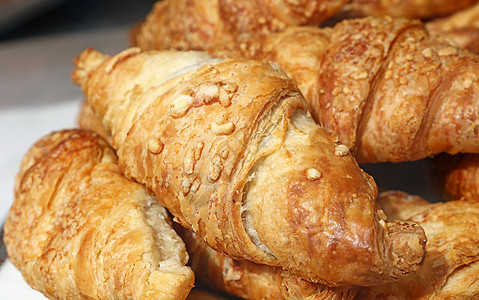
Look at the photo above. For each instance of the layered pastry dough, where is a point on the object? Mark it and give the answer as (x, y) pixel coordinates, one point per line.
(78, 229)
(230, 149)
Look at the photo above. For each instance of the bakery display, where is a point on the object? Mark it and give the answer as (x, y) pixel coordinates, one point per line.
(223, 150)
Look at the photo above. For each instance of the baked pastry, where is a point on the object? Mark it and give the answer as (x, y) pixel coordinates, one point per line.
(88, 120)
(461, 27)
(451, 267)
(228, 146)
(241, 278)
(248, 280)
(457, 176)
(196, 24)
(412, 9)
(78, 229)
(389, 90)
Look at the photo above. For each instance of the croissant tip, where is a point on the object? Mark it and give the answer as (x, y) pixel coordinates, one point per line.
(409, 246)
(86, 61)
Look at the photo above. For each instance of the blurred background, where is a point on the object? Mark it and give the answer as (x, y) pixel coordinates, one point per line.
(29, 18)
(38, 41)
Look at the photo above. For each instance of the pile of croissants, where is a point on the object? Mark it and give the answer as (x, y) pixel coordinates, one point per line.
(225, 145)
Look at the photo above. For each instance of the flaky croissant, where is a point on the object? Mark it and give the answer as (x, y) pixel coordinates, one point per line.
(78, 229)
(461, 27)
(229, 148)
(457, 176)
(389, 90)
(412, 9)
(248, 280)
(194, 24)
(451, 267)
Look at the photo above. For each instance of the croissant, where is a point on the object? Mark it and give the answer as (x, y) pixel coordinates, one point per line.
(229, 148)
(412, 9)
(389, 90)
(240, 278)
(247, 280)
(461, 27)
(457, 176)
(451, 267)
(78, 229)
(195, 24)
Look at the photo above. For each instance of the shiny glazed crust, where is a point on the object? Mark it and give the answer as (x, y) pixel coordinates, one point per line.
(79, 229)
(450, 270)
(230, 150)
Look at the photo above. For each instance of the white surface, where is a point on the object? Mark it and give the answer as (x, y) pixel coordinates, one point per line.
(13, 286)
(36, 98)
(21, 127)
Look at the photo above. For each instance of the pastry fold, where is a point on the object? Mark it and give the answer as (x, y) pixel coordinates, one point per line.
(228, 146)
(79, 229)
(451, 267)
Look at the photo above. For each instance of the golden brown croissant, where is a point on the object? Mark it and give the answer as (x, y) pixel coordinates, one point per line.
(457, 176)
(412, 9)
(194, 24)
(240, 278)
(79, 229)
(229, 148)
(461, 27)
(451, 267)
(245, 279)
(389, 90)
